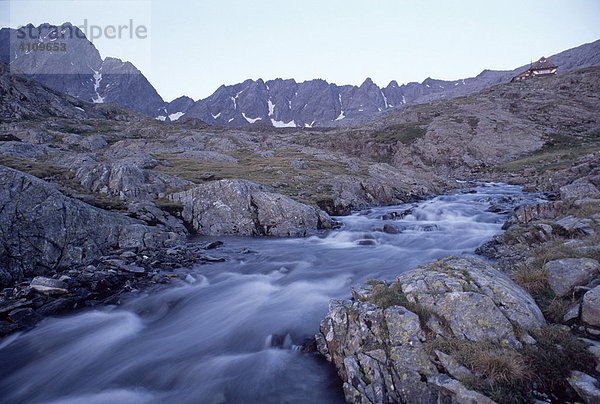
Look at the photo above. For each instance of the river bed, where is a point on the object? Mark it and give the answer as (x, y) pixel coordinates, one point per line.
(231, 333)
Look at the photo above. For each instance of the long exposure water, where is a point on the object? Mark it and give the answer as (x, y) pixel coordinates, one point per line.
(231, 336)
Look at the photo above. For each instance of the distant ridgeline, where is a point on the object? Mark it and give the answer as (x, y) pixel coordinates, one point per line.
(80, 71)
(543, 67)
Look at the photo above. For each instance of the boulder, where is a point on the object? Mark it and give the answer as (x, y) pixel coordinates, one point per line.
(565, 274)
(129, 178)
(544, 210)
(590, 307)
(241, 207)
(579, 190)
(575, 226)
(585, 386)
(41, 229)
(458, 391)
(48, 286)
(377, 343)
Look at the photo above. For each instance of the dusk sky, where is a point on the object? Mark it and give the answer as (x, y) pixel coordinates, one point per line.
(195, 46)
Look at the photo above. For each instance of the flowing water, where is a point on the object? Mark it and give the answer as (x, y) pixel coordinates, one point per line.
(232, 335)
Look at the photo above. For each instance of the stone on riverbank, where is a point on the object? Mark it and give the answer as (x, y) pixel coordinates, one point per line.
(239, 207)
(378, 342)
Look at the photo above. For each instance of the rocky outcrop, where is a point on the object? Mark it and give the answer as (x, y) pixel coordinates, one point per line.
(379, 340)
(42, 229)
(81, 72)
(586, 386)
(244, 208)
(128, 179)
(579, 190)
(565, 274)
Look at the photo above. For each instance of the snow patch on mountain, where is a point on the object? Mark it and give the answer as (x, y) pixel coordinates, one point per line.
(176, 116)
(97, 79)
(251, 120)
(281, 124)
(271, 107)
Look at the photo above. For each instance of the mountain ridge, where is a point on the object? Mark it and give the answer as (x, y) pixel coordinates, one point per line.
(277, 102)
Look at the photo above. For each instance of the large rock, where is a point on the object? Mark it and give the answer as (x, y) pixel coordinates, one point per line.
(42, 229)
(459, 391)
(544, 210)
(579, 190)
(128, 179)
(244, 208)
(575, 226)
(565, 274)
(379, 350)
(590, 309)
(586, 386)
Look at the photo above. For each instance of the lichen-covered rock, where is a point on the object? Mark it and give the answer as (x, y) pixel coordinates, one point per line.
(565, 274)
(378, 345)
(590, 308)
(42, 229)
(458, 391)
(579, 190)
(575, 226)
(586, 386)
(244, 208)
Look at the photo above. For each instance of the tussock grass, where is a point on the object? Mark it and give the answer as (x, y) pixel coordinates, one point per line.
(509, 375)
(385, 296)
(533, 280)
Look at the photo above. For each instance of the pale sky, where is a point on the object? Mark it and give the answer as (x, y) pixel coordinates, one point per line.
(195, 46)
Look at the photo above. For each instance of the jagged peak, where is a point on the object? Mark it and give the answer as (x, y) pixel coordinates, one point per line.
(183, 98)
(368, 82)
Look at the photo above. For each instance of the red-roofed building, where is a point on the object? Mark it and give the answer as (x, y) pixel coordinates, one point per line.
(542, 67)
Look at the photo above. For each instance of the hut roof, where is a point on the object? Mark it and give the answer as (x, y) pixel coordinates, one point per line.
(543, 63)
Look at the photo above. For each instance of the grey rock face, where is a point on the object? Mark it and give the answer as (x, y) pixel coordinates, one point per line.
(128, 178)
(586, 386)
(43, 229)
(565, 274)
(380, 354)
(579, 190)
(245, 208)
(576, 226)
(590, 309)
(80, 71)
(456, 389)
(22, 97)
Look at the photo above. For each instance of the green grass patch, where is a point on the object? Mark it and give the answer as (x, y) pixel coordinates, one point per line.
(406, 133)
(303, 185)
(559, 151)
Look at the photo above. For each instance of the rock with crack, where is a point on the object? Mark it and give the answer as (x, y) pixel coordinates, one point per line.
(239, 207)
(128, 178)
(566, 273)
(378, 341)
(41, 229)
(579, 190)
